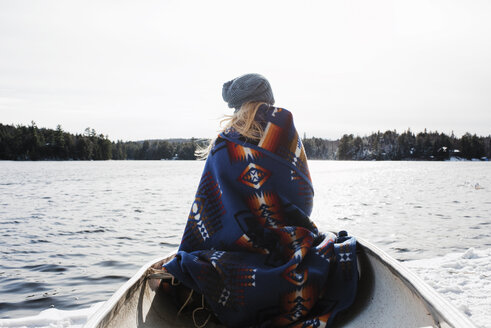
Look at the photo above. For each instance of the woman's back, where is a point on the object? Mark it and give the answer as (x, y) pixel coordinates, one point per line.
(249, 246)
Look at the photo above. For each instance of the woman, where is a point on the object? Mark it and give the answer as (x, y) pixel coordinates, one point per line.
(249, 246)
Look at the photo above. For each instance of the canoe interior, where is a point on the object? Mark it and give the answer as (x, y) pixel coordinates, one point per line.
(388, 296)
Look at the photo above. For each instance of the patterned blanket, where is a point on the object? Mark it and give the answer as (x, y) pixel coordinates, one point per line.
(249, 246)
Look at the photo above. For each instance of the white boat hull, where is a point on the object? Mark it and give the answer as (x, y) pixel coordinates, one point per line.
(389, 295)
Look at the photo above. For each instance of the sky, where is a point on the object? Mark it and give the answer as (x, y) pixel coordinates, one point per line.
(144, 69)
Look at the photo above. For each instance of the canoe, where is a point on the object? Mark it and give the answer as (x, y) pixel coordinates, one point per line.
(389, 295)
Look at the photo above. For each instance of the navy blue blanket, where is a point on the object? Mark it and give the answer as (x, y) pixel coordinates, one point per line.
(249, 246)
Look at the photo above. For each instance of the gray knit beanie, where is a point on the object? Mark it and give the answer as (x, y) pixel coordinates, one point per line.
(245, 88)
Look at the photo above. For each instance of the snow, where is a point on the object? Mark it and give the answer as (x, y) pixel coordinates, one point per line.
(462, 278)
(53, 318)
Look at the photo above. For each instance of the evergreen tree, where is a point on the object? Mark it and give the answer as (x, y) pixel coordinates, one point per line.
(345, 148)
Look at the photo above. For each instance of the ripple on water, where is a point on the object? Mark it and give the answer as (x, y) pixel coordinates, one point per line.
(124, 237)
(19, 251)
(17, 286)
(11, 222)
(92, 231)
(101, 279)
(67, 256)
(47, 267)
(113, 263)
(37, 303)
(168, 244)
(37, 241)
(401, 249)
(85, 231)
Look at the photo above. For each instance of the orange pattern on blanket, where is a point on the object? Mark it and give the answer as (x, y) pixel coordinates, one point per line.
(266, 207)
(272, 137)
(240, 153)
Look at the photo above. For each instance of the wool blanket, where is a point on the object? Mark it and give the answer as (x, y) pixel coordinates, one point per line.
(249, 246)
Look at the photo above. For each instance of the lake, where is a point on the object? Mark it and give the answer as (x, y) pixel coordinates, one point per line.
(72, 232)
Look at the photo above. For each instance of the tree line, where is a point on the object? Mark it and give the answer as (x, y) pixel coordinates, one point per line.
(390, 145)
(32, 143)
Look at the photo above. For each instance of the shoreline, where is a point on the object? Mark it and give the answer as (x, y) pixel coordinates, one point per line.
(452, 159)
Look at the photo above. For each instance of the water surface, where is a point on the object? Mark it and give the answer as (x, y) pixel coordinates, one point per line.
(72, 232)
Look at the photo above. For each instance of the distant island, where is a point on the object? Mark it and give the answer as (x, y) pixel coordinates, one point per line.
(30, 143)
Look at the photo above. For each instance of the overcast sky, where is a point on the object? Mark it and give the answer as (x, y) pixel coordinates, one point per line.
(154, 69)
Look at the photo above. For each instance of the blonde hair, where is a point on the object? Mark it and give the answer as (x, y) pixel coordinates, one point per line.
(243, 121)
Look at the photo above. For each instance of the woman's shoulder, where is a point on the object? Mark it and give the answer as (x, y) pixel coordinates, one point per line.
(275, 121)
(276, 115)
